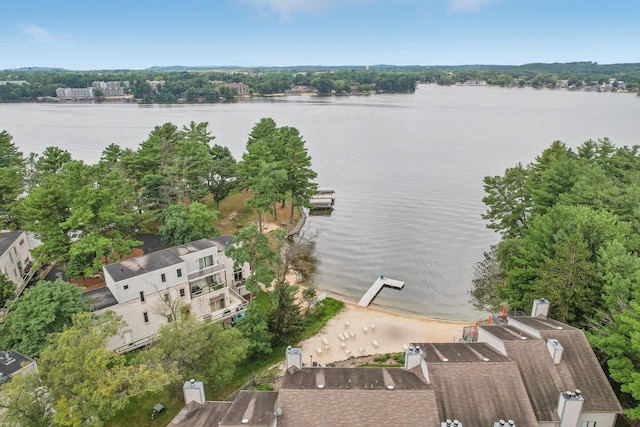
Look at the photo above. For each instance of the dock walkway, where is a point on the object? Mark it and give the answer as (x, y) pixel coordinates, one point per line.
(376, 287)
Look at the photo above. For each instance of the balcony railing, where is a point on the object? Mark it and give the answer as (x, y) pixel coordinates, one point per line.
(139, 343)
(207, 271)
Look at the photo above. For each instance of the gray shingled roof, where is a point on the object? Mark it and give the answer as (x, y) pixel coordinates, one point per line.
(7, 238)
(196, 415)
(460, 353)
(543, 324)
(507, 333)
(363, 401)
(540, 375)
(474, 391)
(580, 369)
(154, 261)
(259, 407)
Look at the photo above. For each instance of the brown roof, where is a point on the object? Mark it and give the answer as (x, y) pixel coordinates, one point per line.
(474, 391)
(506, 333)
(356, 397)
(540, 376)
(542, 323)
(258, 407)
(460, 353)
(196, 415)
(349, 378)
(580, 369)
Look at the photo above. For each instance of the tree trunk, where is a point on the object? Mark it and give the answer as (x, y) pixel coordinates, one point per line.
(291, 218)
(275, 212)
(283, 204)
(260, 220)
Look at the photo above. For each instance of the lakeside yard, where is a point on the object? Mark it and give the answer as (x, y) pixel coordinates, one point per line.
(138, 411)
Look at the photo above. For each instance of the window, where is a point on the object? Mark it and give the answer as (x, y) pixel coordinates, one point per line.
(588, 424)
(237, 275)
(217, 303)
(15, 251)
(179, 272)
(10, 257)
(181, 292)
(21, 242)
(141, 296)
(163, 277)
(166, 297)
(126, 287)
(145, 316)
(205, 261)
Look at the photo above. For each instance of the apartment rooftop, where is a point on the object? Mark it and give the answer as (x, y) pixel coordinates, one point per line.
(7, 238)
(353, 379)
(154, 261)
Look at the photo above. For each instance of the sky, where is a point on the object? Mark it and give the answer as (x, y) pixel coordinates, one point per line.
(126, 34)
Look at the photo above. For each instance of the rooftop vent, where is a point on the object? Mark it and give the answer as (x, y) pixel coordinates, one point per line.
(555, 350)
(503, 423)
(245, 421)
(485, 359)
(444, 359)
(320, 386)
(449, 423)
(390, 387)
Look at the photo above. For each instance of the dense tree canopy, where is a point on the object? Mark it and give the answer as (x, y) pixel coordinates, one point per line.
(569, 228)
(41, 310)
(88, 383)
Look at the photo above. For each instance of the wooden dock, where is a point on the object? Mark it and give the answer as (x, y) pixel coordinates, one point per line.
(376, 287)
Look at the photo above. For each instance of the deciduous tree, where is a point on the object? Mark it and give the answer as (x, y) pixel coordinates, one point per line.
(89, 383)
(41, 310)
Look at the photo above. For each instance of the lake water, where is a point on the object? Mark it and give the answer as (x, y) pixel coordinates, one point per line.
(407, 169)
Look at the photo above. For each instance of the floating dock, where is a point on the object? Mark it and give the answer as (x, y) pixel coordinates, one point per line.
(376, 287)
(325, 198)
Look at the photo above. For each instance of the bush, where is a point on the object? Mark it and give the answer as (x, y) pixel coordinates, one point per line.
(399, 358)
(382, 358)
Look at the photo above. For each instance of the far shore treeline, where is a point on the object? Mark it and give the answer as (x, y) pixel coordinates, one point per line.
(210, 84)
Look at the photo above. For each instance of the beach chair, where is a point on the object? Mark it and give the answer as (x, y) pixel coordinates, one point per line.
(375, 343)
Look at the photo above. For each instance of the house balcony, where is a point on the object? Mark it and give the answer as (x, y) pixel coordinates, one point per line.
(203, 288)
(234, 305)
(206, 271)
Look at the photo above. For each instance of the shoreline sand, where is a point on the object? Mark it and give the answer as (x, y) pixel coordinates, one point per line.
(359, 331)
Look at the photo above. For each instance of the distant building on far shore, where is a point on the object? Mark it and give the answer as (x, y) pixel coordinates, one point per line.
(241, 88)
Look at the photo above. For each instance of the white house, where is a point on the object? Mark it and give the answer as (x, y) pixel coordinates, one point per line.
(146, 290)
(16, 261)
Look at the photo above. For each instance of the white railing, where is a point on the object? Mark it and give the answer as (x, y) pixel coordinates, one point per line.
(206, 271)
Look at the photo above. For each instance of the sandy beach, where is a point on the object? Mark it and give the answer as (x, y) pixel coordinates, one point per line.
(359, 331)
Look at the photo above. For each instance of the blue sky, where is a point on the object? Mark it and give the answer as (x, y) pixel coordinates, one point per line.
(133, 34)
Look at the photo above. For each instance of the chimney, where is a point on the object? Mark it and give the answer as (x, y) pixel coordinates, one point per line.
(555, 350)
(293, 357)
(412, 357)
(570, 408)
(193, 392)
(540, 308)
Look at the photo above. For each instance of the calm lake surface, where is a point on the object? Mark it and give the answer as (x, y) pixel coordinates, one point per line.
(407, 169)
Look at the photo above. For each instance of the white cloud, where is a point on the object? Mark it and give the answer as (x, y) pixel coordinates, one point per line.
(470, 5)
(42, 35)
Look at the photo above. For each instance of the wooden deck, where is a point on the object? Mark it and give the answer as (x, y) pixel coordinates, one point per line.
(376, 287)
